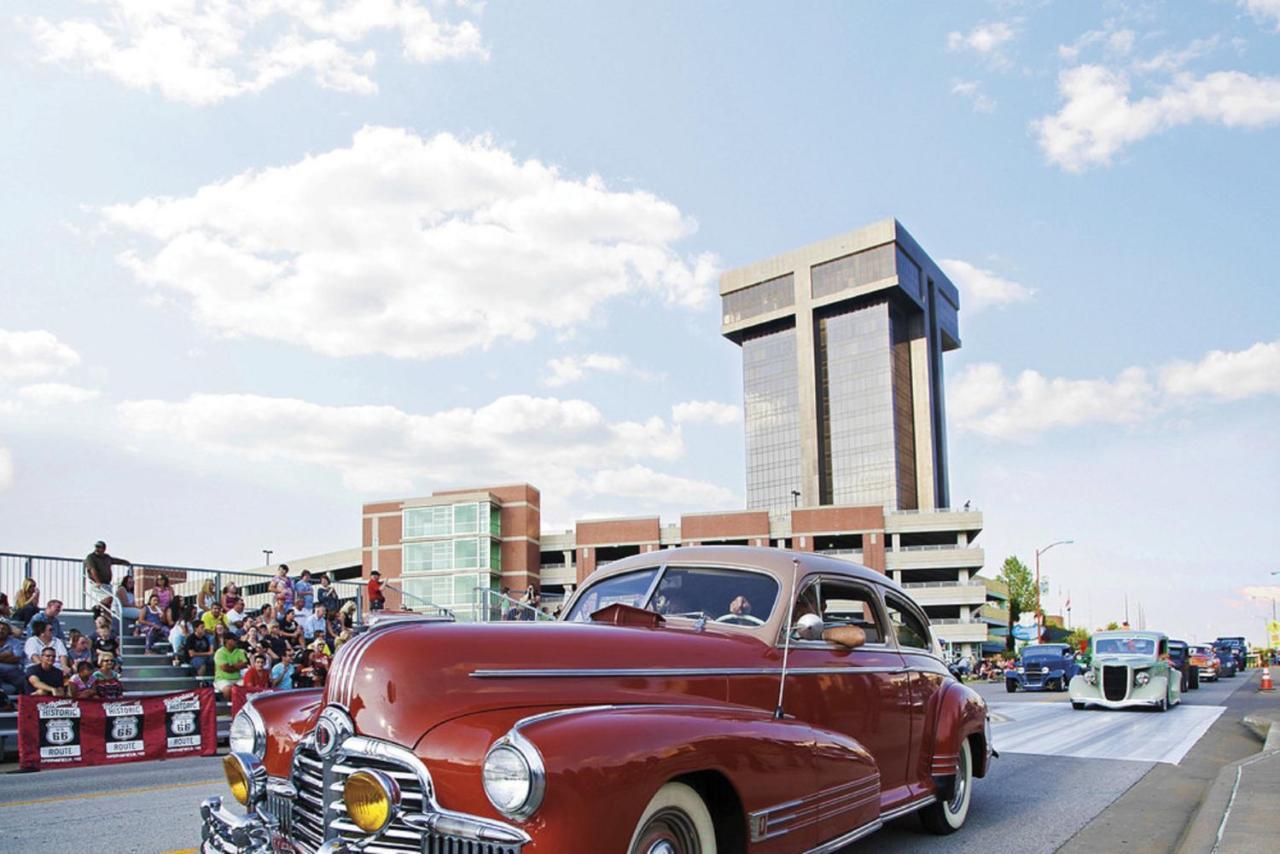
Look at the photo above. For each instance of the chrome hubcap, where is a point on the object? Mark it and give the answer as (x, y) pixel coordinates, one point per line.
(669, 831)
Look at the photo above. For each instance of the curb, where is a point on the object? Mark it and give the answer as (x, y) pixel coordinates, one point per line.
(1205, 833)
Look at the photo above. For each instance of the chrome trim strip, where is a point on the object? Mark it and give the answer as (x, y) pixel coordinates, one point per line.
(852, 836)
(804, 812)
(568, 672)
(907, 809)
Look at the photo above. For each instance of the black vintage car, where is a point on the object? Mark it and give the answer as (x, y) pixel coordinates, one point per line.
(1180, 659)
(1229, 664)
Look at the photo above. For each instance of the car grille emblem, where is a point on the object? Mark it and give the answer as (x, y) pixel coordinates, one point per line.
(334, 727)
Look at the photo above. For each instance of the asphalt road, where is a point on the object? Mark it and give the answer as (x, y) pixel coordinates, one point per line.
(1030, 802)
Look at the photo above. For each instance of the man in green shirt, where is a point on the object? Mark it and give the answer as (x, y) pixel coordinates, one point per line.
(228, 662)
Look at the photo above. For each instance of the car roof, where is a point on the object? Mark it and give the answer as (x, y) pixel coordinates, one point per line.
(1131, 633)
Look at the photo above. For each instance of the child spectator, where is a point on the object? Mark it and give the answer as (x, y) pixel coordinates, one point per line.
(82, 683)
(104, 642)
(80, 651)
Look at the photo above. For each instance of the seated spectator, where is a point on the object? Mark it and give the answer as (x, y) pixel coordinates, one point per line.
(236, 617)
(319, 662)
(256, 678)
(230, 596)
(276, 640)
(27, 601)
(290, 629)
(267, 616)
(106, 681)
(177, 609)
(45, 678)
(178, 635)
(80, 650)
(229, 662)
(151, 625)
(81, 687)
(333, 627)
(343, 636)
(199, 651)
(163, 593)
(128, 602)
(42, 640)
(282, 674)
(312, 622)
(50, 615)
(348, 613)
(13, 665)
(206, 597)
(6, 610)
(213, 618)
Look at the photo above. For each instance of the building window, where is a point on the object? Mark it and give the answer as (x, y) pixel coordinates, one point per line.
(851, 271)
(760, 298)
(909, 277)
(772, 410)
(449, 520)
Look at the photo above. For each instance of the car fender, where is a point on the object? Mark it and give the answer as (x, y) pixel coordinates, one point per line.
(287, 716)
(603, 764)
(960, 713)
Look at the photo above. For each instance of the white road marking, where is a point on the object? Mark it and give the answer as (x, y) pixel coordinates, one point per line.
(1138, 735)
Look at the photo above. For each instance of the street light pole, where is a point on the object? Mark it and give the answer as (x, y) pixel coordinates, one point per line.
(1039, 611)
(267, 552)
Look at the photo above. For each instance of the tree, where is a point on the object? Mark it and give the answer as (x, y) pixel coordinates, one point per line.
(1079, 639)
(1022, 592)
(1112, 626)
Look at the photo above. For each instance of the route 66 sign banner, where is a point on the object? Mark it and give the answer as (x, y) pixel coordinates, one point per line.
(54, 732)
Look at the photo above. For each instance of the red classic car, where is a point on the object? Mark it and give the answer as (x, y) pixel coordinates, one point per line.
(690, 700)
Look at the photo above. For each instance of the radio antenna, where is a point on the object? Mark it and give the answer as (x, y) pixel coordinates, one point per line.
(786, 643)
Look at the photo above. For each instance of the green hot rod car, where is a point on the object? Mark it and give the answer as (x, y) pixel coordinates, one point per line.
(1128, 668)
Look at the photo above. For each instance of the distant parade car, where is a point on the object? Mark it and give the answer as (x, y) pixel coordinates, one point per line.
(1180, 659)
(1205, 663)
(1043, 667)
(1128, 668)
(1237, 647)
(690, 700)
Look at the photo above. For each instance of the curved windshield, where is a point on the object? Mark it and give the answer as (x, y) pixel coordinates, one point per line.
(728, 596)
(1124, 646)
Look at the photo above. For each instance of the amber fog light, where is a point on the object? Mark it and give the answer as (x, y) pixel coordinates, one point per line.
(371, 798)
(245, 776)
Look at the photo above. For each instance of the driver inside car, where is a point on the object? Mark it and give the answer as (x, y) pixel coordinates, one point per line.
(740, 606)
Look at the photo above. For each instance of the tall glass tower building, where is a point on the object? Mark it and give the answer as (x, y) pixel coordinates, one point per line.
(842, 345)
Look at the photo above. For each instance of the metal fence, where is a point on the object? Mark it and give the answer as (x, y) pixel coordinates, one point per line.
(492, 607)
(63, 578)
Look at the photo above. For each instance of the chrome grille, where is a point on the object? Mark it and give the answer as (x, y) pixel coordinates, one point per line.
(318, 807)
(280, 807)
(1115, 682)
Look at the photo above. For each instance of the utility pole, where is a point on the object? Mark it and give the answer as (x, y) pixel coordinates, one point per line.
(795, 498)
(267, 552)
(1039, 610)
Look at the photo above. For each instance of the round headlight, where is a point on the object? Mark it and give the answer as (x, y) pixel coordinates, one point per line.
(248, 734)
(1142, 678)
(246, 777)
(1091, 677)
(513, 776)
(371, 798)
(1021, 670)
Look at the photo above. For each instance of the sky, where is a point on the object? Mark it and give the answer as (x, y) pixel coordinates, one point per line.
(266, 261)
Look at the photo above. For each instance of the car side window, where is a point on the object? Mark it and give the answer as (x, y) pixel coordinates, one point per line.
(845, 604)
(908, 628)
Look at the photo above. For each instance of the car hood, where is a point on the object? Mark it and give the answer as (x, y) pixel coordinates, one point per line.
(1049, 662)
(401, 681)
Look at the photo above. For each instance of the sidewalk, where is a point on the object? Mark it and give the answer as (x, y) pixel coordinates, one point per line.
(1239, 813)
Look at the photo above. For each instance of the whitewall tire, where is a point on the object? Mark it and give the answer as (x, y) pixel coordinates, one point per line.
(675, 822)
(943, 817)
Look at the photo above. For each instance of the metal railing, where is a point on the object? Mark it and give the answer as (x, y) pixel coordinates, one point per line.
(492, 607)
(969, 509)
(63, 578)
(422, 606)
(944, 547)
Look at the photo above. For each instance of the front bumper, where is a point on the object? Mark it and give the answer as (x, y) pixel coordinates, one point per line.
(1150, 694)
(223, 832)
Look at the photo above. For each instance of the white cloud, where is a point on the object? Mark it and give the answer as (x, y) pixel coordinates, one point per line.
(982, 399)
(566, 447)
(1170, 60)
(1264, 10)
(981, 289)
(706, 412)
(1115, 42)
(1098, 119)
(33, 354)
(206, 52)
(971, 90)
(1227, 376)
(410, 247)
(56, 394)
(571, 369)
(984, 39)
(6, 469)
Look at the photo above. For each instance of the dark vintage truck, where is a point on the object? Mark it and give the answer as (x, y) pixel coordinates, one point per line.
(1043, 667)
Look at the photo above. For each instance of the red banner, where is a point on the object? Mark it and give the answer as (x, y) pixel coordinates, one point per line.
(55, 732)
(239, 694)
